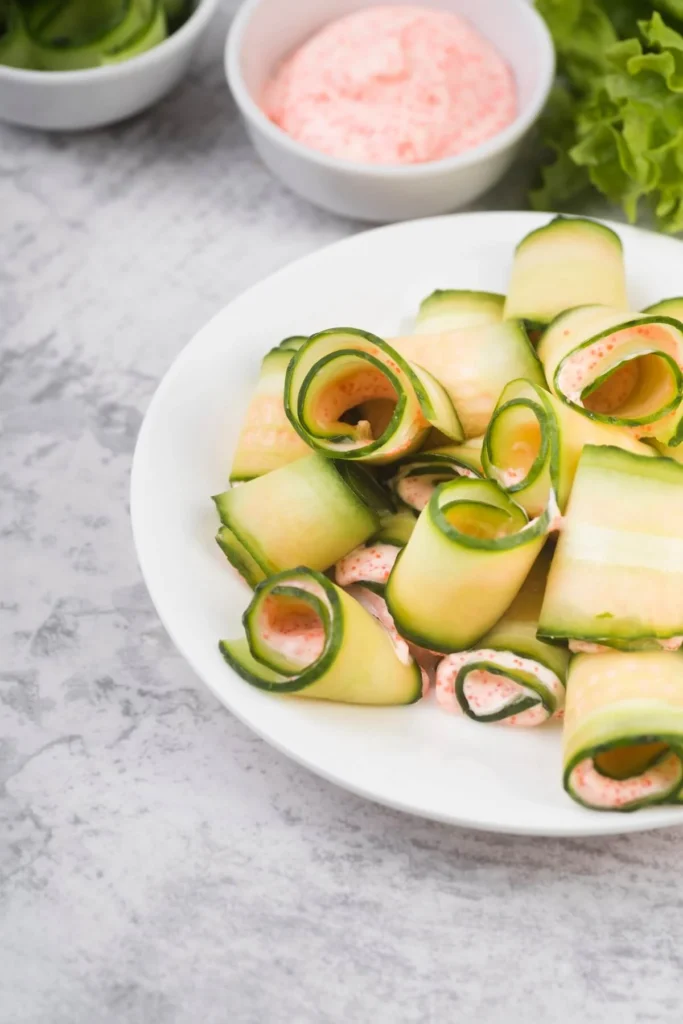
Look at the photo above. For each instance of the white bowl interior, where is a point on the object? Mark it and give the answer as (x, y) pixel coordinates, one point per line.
(274, 30)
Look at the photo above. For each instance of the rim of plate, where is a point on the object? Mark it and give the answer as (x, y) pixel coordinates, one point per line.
(597, 824)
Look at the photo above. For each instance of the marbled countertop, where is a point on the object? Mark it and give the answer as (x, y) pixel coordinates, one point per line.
(158, 863)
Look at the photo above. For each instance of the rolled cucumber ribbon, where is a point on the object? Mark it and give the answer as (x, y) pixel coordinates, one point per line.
(618, 368)
(68, 35)
(474, 364)
(310, 512)
(623, 730)
(351, 396)
(267, 440)
(534, 442)
(465, 562)
(419, 475)
(307, 638)
(15, 45)
(511, 677)
(449, 310)
(616, 578)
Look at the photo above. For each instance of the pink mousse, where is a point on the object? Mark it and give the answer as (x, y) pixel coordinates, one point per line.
(393, 85)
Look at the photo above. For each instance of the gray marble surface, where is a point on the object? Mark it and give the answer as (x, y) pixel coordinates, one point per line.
(158, 863)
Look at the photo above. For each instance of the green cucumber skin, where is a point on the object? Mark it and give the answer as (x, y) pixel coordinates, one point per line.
(613, 464)
(515, 707)
(133, 33)
(239, 558)
(672, 797)
(240, 654)
(616, 420)
(330, 499)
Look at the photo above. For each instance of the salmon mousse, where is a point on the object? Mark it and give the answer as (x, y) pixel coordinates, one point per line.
(618, 368)
(498, 686)
(623, 728)
(306, 637)
(511, 677)
(393, 85)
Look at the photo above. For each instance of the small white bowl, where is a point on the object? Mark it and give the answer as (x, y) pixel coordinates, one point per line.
(76, 100)
(265, 31)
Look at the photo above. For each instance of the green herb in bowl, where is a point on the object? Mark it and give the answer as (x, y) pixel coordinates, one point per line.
(71, 35)
(615, 119)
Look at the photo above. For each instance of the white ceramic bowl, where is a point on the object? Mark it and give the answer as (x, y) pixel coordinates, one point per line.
(265, 31)
(75, 100)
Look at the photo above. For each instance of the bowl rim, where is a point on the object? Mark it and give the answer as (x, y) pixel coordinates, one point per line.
(503, 140)
(203, 12)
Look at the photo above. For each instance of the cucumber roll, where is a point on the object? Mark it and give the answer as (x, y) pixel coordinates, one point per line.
(448, 310)
(623, 730)
(68, 35)
(568, 262)
(419, 475)
(268, 440)
(15, 45)
(623, 369)
(511, 677)
(474, 364)
(351, 395)
(617, 576)
(469, 554)
(667, 307)
(306, 637)
(534, 442)
(305, 513)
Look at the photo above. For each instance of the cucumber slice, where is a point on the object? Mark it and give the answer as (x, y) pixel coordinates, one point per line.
(177, 12)
(534, 442)
(471, 550)
(449, 310)
(667, 307)
(618, 368)
(349, 394)
(239, 557)
(623, 730)
(474, 364)
(15, 45)
(511, 677)
(419, 475)
(568, 262)
(267, 440)
(307, 638)
(617, 575)
(68, 35)
(301, 514)
(396, 528)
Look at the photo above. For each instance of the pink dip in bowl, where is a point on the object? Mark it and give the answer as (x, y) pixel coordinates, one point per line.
(393, 85)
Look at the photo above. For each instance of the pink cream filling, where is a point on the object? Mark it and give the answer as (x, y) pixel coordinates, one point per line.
(488, 693)
(582, 367)
(371, 564)
(298, 635)
(377, 607)
(416, 491)
(599, 791)
(393, 85)
(672, 643)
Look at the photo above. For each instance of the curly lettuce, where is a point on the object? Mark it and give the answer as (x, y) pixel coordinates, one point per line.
(614, 121)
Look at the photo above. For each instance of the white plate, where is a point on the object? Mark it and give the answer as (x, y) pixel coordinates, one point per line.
(417, 759)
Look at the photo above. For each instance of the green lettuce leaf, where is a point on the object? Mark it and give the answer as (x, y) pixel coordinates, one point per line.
(614, 122)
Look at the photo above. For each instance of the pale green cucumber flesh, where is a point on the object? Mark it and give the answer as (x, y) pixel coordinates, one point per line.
(239, 557)
(301, 514)
(614, 579)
